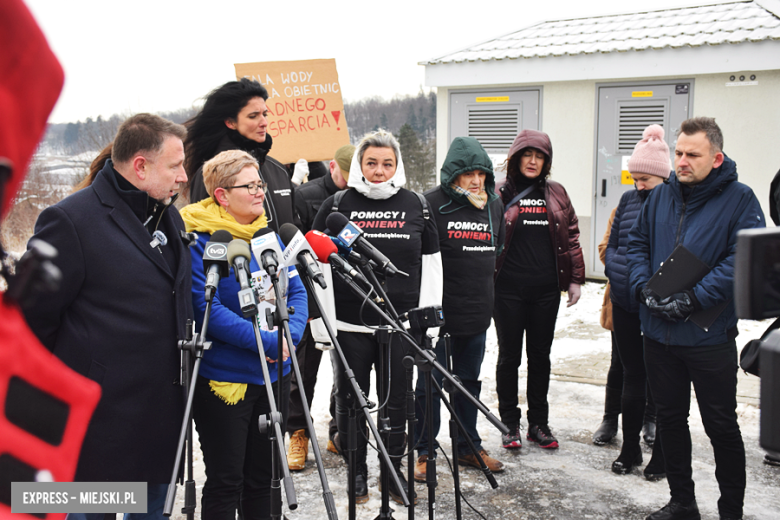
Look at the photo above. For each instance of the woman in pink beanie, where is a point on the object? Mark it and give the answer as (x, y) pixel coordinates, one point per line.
(649, 166)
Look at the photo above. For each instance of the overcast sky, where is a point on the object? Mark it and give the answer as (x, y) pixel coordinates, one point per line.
(157, 55)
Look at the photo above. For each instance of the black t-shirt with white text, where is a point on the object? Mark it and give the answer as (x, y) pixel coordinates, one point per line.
(530, 260)
(396, 227)
(469, 239)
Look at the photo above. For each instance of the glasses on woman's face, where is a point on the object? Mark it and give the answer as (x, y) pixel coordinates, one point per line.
(252, 187)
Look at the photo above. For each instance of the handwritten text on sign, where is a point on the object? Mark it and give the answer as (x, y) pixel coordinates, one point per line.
(305, 109)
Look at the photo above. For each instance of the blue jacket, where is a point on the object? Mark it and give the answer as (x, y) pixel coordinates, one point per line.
(616, 263)
(707, 224)
(233, 356)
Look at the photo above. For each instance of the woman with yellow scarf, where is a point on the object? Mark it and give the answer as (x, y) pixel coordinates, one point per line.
(229, 394)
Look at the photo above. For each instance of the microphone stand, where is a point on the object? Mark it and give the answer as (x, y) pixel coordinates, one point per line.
(271, 425)
(281, 319)
(358, 400)
(383, 391)
(428, 358)
(193, 345)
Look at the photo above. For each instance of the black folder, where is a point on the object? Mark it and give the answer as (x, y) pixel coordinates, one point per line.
(681, 272)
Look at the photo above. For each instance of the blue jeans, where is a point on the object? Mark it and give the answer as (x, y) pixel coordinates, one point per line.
(467, 355)
(155, 501)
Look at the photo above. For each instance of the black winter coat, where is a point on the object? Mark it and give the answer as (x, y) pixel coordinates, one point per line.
(280, 197)
(309, 197)
(616, 261)
(116, 319)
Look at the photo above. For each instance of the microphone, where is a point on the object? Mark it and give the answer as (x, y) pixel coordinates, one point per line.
(300, 250)
(238, 255)
(215, 261)
(265, 247)
(351, 235)
(324, 248)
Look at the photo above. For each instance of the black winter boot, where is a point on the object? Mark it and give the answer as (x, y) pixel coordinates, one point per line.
(609, 424)
(630, 453)
(361, 468)
(656, 468)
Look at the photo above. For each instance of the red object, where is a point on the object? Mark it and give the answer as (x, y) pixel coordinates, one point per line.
(321, 244)
(22, 356)
(31, 79)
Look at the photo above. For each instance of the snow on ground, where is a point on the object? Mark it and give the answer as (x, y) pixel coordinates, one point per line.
(572, 482)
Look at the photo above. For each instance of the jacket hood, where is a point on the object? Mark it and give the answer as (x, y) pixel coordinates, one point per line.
(716, 181)
(532, 139)
(466, 154)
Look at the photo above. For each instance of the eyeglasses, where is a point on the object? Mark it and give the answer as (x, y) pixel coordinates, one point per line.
(252, 187)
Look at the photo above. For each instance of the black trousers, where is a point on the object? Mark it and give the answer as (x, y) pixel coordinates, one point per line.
(531, 311)
(362, 353)
(713, 371)
(236, 456)
(615, 372)
(628, 336)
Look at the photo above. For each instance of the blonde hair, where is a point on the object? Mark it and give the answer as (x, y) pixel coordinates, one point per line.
(220, 171)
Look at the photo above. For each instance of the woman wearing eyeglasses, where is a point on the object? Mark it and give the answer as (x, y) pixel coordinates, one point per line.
(230, 393)
(234, 117)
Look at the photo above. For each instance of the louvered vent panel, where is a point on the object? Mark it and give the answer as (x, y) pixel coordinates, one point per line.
(633, 119)
(494, 127)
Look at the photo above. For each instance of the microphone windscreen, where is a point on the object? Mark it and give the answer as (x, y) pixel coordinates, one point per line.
(221, 236)
(336, 222)
(238, 248)
(287, 232)
(321, 244)
(262, 231)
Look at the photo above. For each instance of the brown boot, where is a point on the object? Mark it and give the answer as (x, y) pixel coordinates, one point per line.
(298, 450)
(420, 468)
(493, 465)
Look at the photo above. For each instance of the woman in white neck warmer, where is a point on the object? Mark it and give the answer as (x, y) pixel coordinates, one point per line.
(397, 222)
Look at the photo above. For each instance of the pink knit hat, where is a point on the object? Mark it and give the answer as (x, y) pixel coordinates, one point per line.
(651, 154)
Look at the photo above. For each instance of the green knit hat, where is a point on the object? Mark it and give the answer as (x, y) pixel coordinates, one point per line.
(343, 157)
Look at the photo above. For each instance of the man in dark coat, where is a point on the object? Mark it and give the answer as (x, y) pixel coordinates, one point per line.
(308, 199)
(702, 207)
(123, 304)
(470, 220)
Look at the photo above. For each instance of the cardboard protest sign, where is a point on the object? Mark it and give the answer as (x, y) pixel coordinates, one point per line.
(305, 109)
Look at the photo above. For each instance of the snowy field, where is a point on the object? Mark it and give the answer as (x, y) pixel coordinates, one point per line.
(574, 481)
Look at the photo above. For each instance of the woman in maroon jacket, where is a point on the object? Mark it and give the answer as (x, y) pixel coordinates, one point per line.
(541, 257)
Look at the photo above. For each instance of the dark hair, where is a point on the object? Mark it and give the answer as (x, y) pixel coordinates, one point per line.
(95, 167)
(143, 133)
(706, 125)
(513, 164)
(206, 130)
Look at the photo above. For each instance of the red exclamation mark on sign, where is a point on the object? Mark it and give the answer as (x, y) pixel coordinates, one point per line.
(336, 115)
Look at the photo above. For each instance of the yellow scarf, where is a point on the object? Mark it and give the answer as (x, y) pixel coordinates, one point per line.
(207, 216)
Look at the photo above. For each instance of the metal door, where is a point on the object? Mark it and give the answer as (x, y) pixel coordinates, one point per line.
(494, 118)
(623, 114)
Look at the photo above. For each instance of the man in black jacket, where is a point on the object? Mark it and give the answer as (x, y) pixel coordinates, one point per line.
(308, 199)
(123, 304)
(470, 220)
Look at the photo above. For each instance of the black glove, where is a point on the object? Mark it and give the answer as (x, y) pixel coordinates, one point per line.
(648, 297)
(675, 307)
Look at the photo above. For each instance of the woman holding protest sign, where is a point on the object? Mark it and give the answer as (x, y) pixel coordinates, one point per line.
(235, 117)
